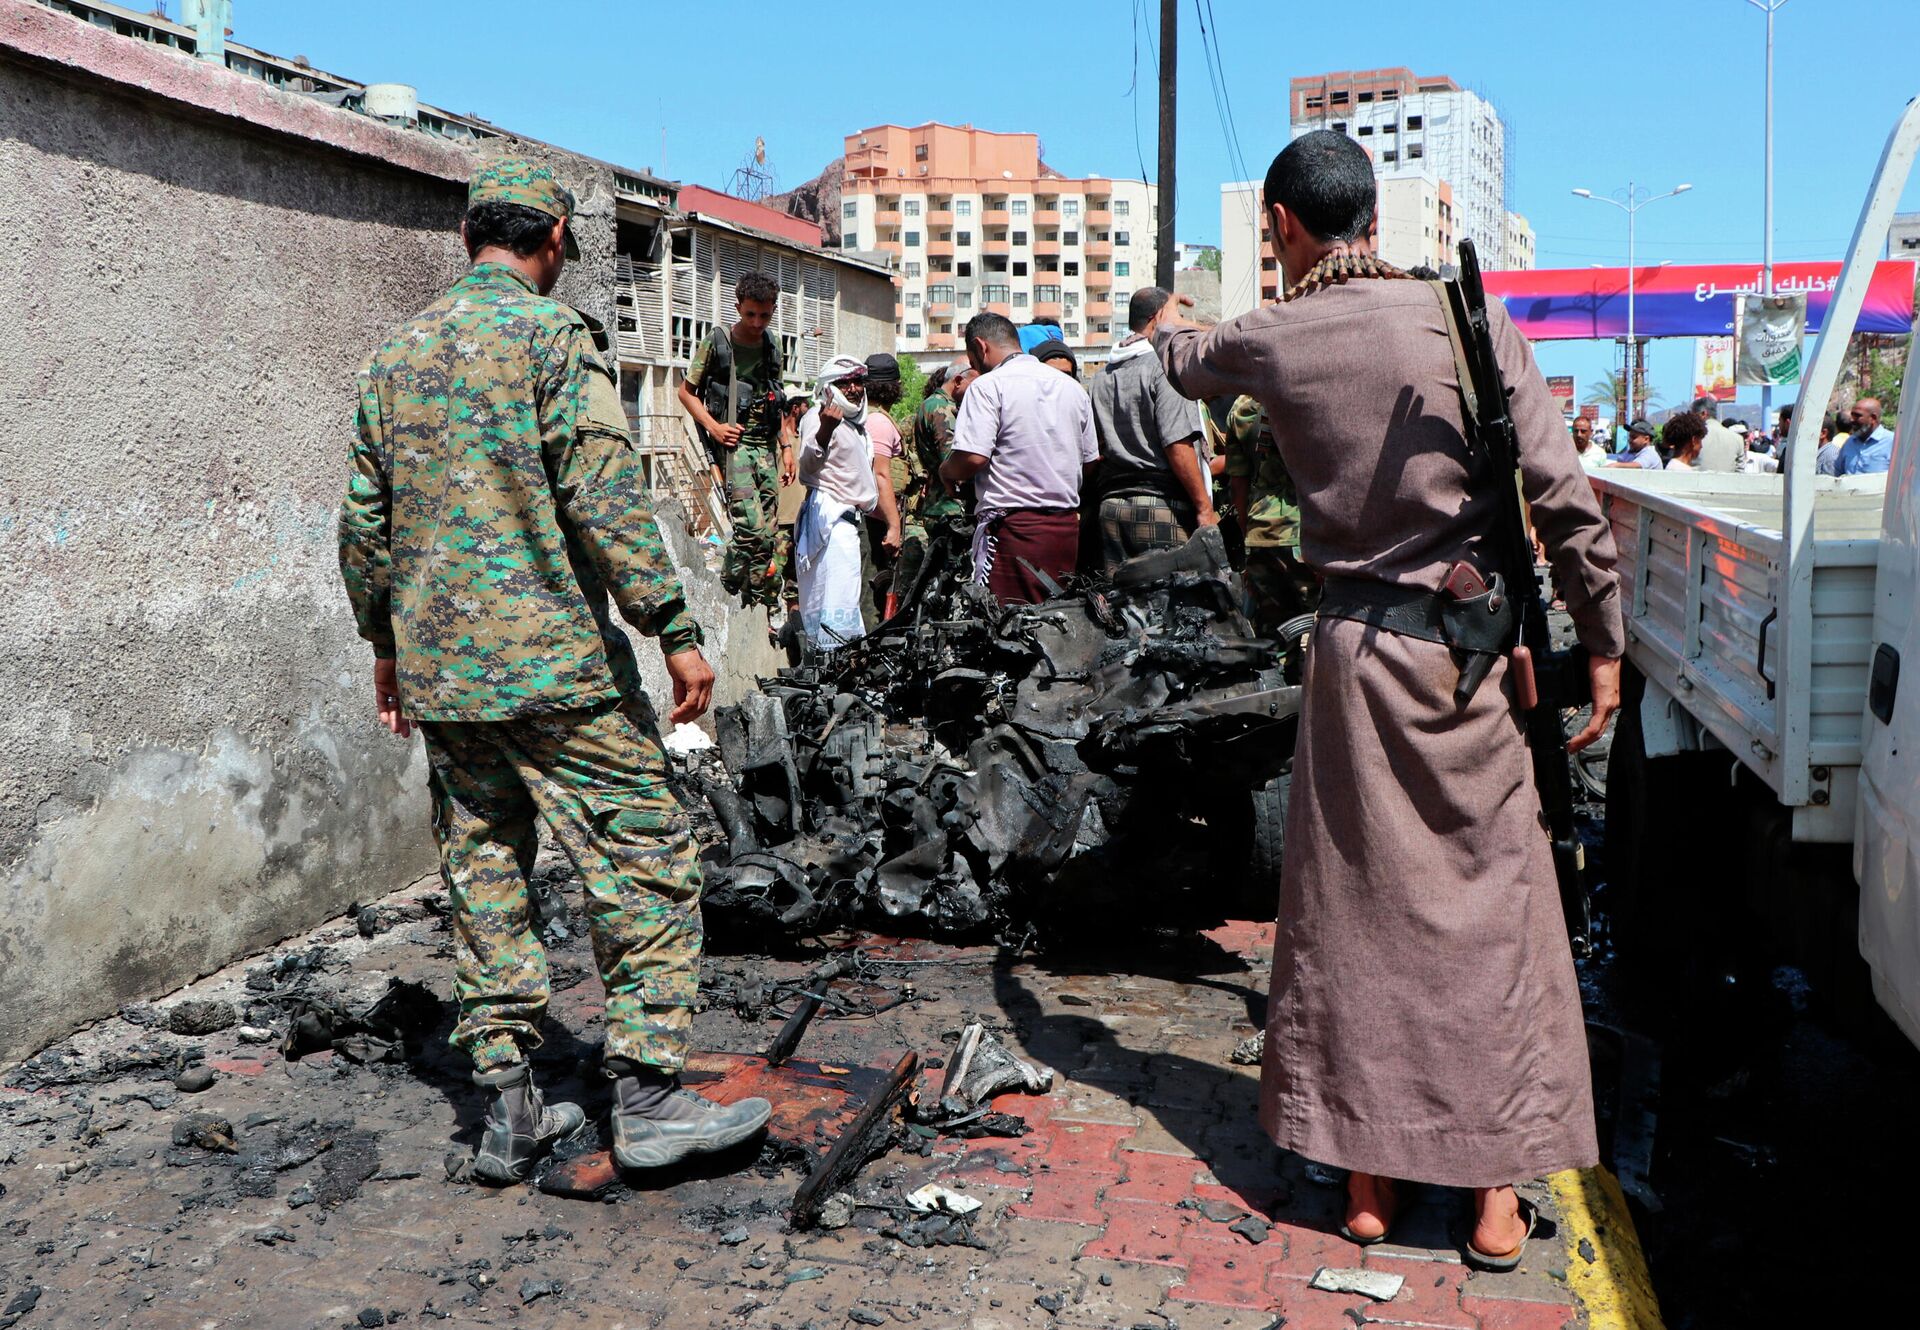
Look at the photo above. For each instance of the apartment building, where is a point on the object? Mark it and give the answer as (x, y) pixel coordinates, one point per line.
(1420, 127)
(974, 221)
(1519, 251)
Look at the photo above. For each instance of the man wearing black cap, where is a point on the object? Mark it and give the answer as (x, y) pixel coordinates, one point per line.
(1640, 450)
(882, 536)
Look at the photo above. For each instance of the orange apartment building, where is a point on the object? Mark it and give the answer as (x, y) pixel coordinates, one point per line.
(972, 221)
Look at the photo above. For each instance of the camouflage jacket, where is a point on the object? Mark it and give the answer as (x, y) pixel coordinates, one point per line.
(493, 501)
(1273, 516)
(931, 443)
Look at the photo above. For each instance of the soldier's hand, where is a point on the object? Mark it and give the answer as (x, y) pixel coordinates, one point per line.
(386, 697)
(789, 472)
(893, 540)
(692, 685)
(1603, 673)
(730, 435)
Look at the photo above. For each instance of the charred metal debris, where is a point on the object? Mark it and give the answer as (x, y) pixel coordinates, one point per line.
(964, 755)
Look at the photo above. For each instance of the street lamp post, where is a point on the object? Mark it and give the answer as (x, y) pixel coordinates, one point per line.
(1636, 199)
(1769, 7)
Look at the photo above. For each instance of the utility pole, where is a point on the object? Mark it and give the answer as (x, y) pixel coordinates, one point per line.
(1169, 67)
(1766, 242)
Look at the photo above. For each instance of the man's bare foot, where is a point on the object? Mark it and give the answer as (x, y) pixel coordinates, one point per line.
(1498, 1229)
(1371, 1204)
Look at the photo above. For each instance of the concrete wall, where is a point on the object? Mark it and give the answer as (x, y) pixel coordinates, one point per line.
(196, 266)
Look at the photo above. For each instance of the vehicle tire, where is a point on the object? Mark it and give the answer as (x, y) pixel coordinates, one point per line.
(1267, 836)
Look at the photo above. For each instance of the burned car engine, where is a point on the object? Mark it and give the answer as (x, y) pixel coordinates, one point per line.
(970, 767)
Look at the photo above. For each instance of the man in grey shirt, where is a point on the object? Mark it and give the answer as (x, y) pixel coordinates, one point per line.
(1722, 449)
(1153, 479)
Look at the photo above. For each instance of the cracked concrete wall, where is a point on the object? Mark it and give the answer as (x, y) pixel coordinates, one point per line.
(189, 766)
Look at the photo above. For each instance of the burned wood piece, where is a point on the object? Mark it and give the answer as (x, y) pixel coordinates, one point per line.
(789, 1037)
(856, 1145)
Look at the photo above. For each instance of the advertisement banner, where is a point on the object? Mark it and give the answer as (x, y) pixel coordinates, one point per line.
(1561, 386)
(1713, 368)
(1692, 300)
(1772, 332)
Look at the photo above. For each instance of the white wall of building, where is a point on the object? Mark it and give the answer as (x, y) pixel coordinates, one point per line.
(1239, 247)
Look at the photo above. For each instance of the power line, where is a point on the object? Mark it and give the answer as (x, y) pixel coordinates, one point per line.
(1223, 107)
(1133, 93)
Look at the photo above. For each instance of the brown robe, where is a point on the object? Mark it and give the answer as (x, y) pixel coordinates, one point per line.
(1424, 1021)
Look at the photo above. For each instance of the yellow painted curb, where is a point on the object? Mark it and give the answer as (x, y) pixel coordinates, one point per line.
(1614, 1286)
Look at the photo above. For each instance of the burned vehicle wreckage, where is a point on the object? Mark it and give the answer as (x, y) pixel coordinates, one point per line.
(972, 768)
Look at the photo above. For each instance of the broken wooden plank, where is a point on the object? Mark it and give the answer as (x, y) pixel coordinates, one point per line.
(855, 1146)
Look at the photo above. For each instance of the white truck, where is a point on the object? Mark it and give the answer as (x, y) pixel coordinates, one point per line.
(1769, 616)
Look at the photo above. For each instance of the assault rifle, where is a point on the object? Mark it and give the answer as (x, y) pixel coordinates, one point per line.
(1546, 681)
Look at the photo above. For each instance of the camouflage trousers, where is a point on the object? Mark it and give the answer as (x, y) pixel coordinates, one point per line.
(751, 569)
(1278, 587)
(597, 778)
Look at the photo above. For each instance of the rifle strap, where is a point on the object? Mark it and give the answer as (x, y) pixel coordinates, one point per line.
(1451, 315)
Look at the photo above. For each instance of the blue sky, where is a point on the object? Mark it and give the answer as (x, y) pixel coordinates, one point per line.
(1659, 91)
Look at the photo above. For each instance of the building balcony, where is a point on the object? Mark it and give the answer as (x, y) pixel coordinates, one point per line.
(1099, 281)
(1099, 308)
(1046, 217)
(1047, 248)
(1099, 217)
(1004, 311)
(891, 246)
(887, 217)
(941, 342)
(1047, 311)
(997, 246)
(996, 217)
(1099, 249)
(940, 249)
(942, 309)
(940, 217)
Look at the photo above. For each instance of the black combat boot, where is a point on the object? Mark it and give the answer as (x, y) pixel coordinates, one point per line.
(655, 1122)
(520, 1127)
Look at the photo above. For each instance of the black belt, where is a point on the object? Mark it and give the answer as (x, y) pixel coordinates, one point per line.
(1480, 626)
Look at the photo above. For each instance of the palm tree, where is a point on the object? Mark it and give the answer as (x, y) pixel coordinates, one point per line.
(1606, 393)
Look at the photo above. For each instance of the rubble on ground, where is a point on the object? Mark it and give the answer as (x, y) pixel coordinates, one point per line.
(969, 767)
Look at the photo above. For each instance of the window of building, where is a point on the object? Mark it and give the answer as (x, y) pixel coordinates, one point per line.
(1366, 132)
(1340, 127)
(1020, 210)
(1071, 267)
(1073, 330)
(1101, 266)
(963, 207)
(1047, 295)
(1122, 208)
(1019, 299)
(1069, 207)
(1416, 150)
(940, 294)
(912, 209)
(1073, 298)
(1390, 95)
(1125, 269)
(849, 241)
(1391, 156)
(1126, 238)
(1069, 237)
(1019, 267)
(1341, 99)
(913, 242)
(850, 210)
(913, 300)
(964, 300)
(913, 330)
(964, 268)
(963, 237)
(913, 267)
(993, 293)
(1367, 97)
(1389, 129)
(919, 152)
(1020, 238)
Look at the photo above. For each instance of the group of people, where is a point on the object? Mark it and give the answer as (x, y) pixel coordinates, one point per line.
(1424, 1022)
(1852, 443)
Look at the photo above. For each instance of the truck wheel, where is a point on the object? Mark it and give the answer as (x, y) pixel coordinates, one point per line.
(1267, 836)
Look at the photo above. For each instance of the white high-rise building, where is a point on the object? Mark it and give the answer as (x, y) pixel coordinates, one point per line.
(974, 222)
(1421, 127)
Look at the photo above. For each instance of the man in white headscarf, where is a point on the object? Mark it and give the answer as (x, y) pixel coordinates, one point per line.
(836, 466)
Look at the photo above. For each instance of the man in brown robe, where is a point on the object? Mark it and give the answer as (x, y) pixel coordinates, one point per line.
(1425, 1021)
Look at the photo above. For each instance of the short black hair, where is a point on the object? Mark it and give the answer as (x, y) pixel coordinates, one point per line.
(511, 226)
(1682, 428)
(884, 392)
(993, 329)
(1147, 302)
(936, 379)
(1786, 414)
(1326, 181)
(757, 286)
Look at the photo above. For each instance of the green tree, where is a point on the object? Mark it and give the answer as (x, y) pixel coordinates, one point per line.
(1210, 260)
(913, 390)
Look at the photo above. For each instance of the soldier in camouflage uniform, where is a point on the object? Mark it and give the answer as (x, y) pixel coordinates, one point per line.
(494, 502)
(1278, 586)
(738, 369)
(935, 523)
